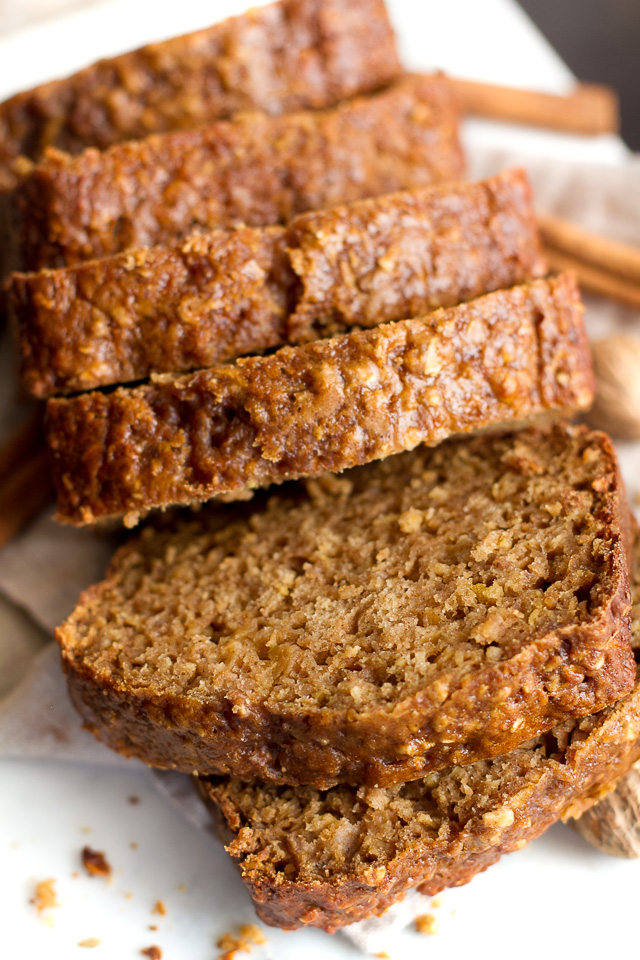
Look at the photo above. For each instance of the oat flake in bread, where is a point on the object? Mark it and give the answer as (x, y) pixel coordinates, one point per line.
(441, 606)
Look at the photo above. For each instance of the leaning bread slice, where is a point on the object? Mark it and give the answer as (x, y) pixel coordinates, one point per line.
(322, 406)
(329, 858)
(217, 296)
(253, 169)
(286, 56)
(438, 607)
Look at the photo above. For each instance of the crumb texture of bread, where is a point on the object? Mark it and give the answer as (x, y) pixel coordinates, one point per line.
(291, 55)
(438, 607)
(215, 297)
(329, 858)
(511, 355)
(254, 170)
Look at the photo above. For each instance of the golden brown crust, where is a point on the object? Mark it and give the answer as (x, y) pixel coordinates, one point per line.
(210, 299)
(322, 406)
(215, 297)
(573, 668)
(292, 55)
(255, 170)
(567, 785)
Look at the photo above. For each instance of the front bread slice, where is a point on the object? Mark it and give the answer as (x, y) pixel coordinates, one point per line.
(437, 607)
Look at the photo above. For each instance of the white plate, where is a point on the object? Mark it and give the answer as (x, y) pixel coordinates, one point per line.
(557, 896)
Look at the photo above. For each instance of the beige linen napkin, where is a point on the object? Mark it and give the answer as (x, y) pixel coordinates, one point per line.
(43, 571)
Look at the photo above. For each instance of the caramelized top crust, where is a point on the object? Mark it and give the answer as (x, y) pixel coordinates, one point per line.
(327, 405)
(254, 169)
(215, 297)
(291, 55)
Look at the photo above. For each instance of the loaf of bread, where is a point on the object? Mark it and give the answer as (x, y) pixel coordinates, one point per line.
(214, 297)
(254, 169)
(291, 55)
(438, 607)
(328, 405)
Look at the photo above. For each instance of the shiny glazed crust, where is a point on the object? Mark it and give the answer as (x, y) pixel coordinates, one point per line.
(566, 787)
(323, 406)
(215, 297)
(254, 169)
(570, 671)
(292, 55)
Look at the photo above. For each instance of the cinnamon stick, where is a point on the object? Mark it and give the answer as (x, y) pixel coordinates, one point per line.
(595, 279)
(588, 109)
(20, 445)
(25, 484)
(23, 494)
(621, 259)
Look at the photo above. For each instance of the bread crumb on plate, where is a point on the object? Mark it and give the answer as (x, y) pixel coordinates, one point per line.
(426, 923)
(44, 897)
(95, 863)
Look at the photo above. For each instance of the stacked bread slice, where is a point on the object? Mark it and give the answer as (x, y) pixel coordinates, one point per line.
(291, 55)
(364, 660)
(407, 648)
(217, 296)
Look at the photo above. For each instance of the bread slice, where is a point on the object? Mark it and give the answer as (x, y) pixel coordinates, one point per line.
(511, 355)
(254, 169)
(215, 297)
(438, 607)
(329, 858)
(291, 55)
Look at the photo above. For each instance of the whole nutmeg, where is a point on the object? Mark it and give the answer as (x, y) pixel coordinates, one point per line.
(616, 365)
(613, 824)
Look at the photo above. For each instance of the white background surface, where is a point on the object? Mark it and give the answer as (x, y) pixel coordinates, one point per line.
(558, 895)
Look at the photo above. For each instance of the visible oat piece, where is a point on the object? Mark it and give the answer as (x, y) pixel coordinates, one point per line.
(287, 56)
(319, 637)
(154, 953)
(213, 298)
(159, 908)
(90, 942)
(323, 406)
(330, 858)
(255, 170)
(95, 863)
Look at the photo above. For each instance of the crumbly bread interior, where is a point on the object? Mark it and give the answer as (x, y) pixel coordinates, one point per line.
(356, 590)
(300, 833)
